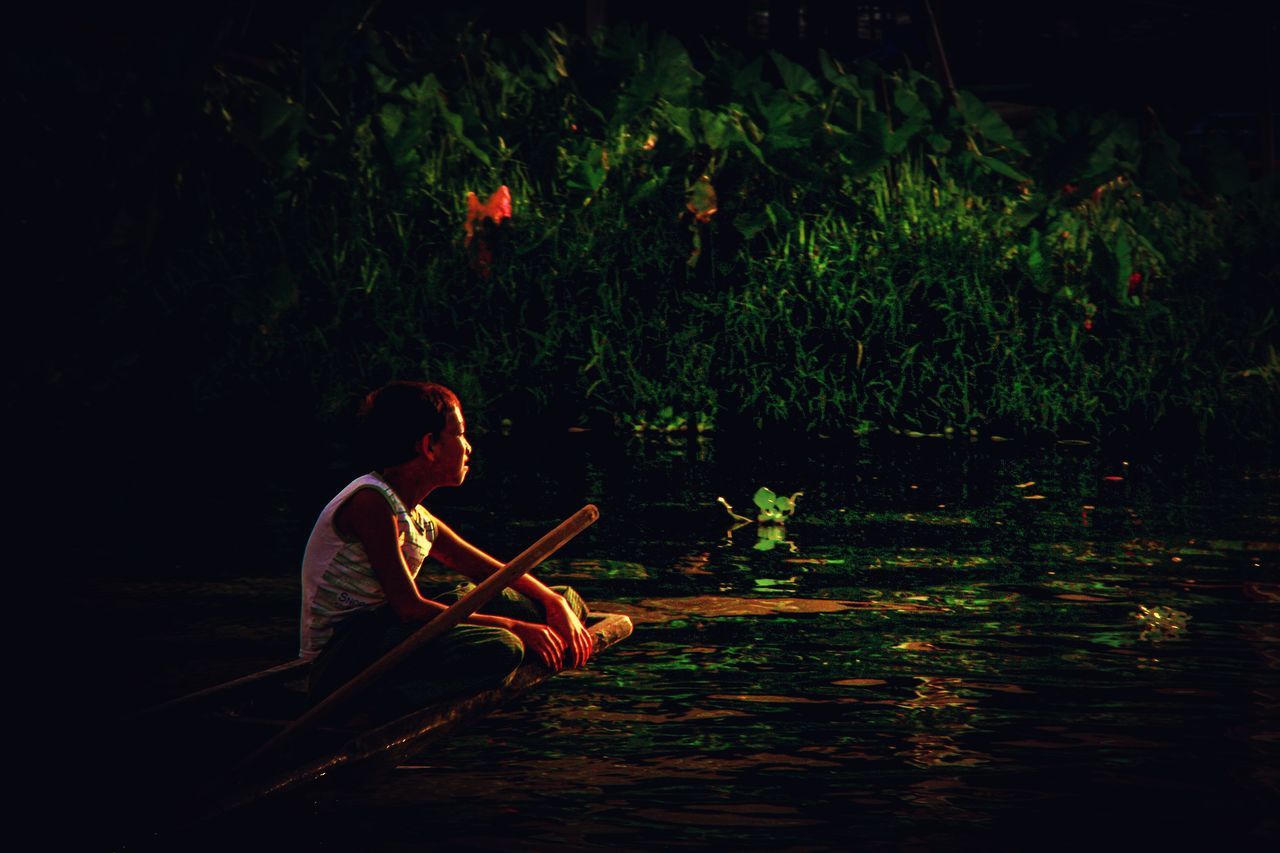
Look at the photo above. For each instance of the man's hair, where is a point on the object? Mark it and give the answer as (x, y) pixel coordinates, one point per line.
(394, 418)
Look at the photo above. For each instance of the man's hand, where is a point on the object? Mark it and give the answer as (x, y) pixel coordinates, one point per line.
(569, 629)
(541, 641)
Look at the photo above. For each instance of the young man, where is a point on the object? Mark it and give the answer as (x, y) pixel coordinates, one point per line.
(359, 595)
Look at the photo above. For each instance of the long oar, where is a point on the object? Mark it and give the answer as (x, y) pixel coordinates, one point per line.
(464, 607)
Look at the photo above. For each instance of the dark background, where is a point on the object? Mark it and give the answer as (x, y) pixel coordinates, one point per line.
(107, 108)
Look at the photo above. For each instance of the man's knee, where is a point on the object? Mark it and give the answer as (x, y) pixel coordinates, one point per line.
(575, 601)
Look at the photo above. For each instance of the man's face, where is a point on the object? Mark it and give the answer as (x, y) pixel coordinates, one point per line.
(452, 450)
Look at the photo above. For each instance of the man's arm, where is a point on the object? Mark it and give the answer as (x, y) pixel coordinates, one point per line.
(466, 559)
(367, 517)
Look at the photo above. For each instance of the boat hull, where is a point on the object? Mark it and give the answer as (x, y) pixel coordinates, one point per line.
(194, 793)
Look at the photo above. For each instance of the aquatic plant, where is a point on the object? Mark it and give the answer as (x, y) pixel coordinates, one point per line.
(774, 508)
(774, 511)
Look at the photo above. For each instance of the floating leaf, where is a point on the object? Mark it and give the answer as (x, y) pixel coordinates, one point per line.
(774, 508)
(765, 498)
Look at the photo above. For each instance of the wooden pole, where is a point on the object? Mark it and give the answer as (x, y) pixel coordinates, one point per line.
(464, 607)
(942, 54)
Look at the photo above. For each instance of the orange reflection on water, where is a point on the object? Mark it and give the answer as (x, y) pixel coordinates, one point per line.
(934, 692)
(939, 750)
(693, 564)
(917, 646)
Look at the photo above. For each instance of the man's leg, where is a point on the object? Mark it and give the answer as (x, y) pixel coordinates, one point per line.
(512, 604)
(466, 659)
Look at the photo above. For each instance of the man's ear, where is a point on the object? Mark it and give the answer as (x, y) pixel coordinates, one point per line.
(427, 446)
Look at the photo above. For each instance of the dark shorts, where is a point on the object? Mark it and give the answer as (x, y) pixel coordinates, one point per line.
(466, 659)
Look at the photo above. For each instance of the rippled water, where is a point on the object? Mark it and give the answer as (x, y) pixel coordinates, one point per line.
(950, 645)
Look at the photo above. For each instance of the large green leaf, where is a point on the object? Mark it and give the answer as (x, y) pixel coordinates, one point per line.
(987, 123)
(745, 79)
(394, 123)
(672, 70)
(838, 77)
(718, 130)
(662, 71)
(897, 141)
(1123, 269)
(795, 79)
(751, 223)
(865, 151)
(831, 68)
(784, 121)
(995, 164)
(1037, 267)
(426, 91)
(588, 173)
(1162, 172)
(391, 117)
(909, 104)
(278, 112)
(680, 119)
(926, 89)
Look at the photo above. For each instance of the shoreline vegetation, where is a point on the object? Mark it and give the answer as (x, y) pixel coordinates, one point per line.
(607, 233)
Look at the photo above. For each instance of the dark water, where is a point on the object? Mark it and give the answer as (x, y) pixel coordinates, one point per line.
(949, 645)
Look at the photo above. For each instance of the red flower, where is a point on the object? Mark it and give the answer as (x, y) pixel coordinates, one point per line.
(1134, 281)
(1088, 324)
(1069, 189)
(495, 210)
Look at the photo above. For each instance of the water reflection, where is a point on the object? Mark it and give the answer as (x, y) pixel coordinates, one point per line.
(897, 671)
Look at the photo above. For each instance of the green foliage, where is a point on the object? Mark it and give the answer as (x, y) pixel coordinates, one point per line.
(749, 241)
(774, 508)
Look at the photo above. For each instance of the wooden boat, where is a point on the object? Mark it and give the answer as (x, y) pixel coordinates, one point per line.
(202, 736)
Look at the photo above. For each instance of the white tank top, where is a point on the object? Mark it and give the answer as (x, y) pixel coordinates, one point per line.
(337, 577)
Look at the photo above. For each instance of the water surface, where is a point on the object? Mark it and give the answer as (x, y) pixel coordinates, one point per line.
(950, 644)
